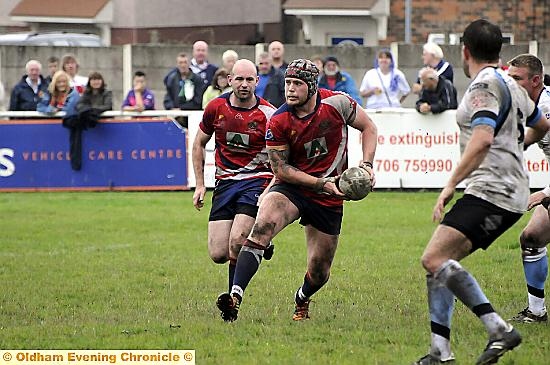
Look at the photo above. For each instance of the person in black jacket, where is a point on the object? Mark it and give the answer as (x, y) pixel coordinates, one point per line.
(437, 95)
(184, 89)
(271, 83)
(29, 90)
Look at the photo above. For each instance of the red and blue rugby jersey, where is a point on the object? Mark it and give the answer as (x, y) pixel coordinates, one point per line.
(240, 138)
(317, 142)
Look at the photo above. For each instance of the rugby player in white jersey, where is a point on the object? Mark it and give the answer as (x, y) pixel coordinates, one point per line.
(527, 70)
(492, 118)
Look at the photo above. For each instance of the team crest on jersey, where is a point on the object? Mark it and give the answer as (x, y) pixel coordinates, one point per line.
(253, 125)
(239, 140)
(316, 148)
(547, 115)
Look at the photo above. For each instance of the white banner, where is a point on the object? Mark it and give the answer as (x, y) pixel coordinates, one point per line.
(414, 151)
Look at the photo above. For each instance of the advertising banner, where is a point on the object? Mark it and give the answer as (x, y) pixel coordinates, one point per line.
(135, 154)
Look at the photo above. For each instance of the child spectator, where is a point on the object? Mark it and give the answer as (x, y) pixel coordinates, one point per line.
(139, 98)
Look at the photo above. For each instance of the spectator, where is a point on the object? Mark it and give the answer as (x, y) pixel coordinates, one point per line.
(140, 98)
(277, 52)
(95, 100)
(27, 92)
(229, 58)
(220, 85)
(199, 63)
(432, 56)
(384, 86)
(61, 97)
(336, 80)
(319, 61)
(70, 65)
(438, 94)
(271, 83)
(53, 66)
(184, 89)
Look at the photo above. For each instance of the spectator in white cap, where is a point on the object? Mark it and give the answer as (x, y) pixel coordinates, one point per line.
(432, 56)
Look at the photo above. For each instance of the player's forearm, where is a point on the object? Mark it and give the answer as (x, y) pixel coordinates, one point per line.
(197, 156)
(369, 139)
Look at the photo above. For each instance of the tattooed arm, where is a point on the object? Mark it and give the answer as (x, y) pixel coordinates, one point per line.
(278, 157)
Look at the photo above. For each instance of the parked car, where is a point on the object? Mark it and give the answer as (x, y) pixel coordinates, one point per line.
(51, 39)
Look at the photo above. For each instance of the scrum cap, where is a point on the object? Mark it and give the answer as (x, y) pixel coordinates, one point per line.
(306, 71)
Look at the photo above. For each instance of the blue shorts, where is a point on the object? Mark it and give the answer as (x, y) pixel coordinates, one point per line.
(232, 197)
(325, 219)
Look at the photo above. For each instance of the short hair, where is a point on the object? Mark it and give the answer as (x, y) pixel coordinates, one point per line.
(182, 55)
(230, 54)
(483, 40)
(429, 72)
(32, 63)
(139, 74)
(264, 56)
(434, 49)
(532, 63)
(53, 59)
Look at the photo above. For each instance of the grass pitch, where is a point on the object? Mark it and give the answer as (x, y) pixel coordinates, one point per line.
(131, 271)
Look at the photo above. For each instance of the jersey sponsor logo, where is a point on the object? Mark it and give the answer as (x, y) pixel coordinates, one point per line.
(479, 85)
(315, 148)
(269, 135)
(239, 140)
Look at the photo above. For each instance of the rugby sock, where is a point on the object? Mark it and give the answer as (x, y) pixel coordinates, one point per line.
(248, 263)
(465, 287)
(536, 273)
(441, 304)
(232, 265)
(307, 289)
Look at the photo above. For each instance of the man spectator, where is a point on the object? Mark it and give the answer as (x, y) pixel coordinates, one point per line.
(437, 95)
(271, 85)
(229, 58)
(277, 52)
(53, 67)
(184, 89)
(336, 80)
(29, 90)
(199, 63)
(432, 56)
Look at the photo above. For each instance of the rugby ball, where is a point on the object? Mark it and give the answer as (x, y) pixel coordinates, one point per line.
(355, 183)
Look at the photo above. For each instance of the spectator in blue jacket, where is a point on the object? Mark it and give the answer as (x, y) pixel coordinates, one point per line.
(337, 80)
(27, 92)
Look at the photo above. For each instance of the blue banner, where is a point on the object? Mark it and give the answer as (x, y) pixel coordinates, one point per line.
(139, 154)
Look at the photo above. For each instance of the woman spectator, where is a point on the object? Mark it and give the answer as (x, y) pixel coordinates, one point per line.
(219, 85)
(61, 97)
(95, 100)
(384, 86)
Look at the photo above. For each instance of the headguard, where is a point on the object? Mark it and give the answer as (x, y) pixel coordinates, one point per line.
(306, 71)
